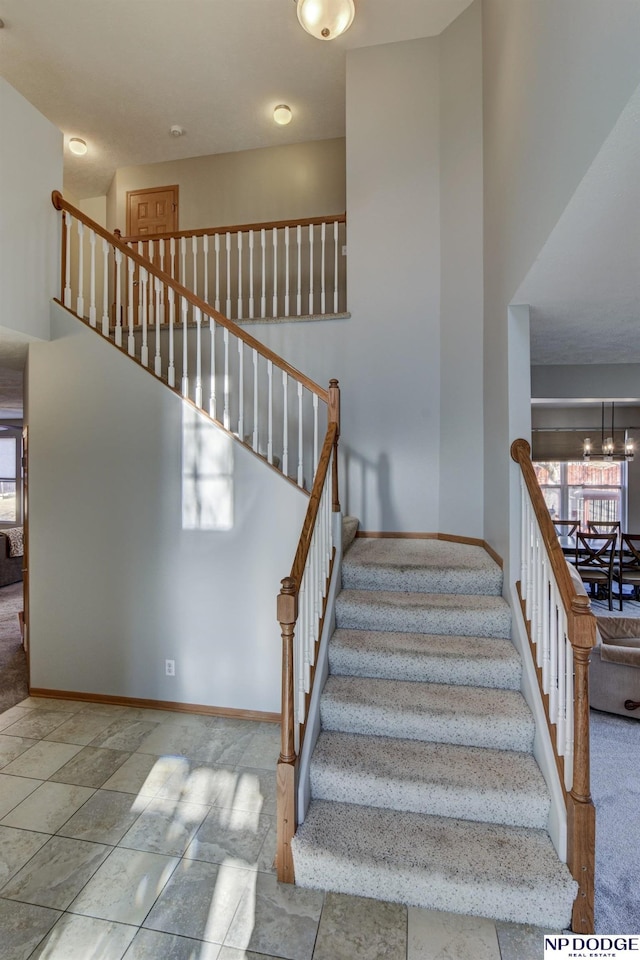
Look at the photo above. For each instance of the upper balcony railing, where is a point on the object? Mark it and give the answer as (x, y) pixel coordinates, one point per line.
(257, 271)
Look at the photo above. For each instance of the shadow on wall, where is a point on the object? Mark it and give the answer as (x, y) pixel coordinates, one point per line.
(368, 488)
(207, 474)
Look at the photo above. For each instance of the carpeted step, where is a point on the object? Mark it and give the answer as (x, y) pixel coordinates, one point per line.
(468, 783)
(479, 661)
(349, 530)
(437, 613)
(475, 716)
(425, 566)
(507, 873)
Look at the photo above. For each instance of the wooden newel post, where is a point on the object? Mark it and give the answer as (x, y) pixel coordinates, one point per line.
(334, 417)
(287, 763)
(581, 813)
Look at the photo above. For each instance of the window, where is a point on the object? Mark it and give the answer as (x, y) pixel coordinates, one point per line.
(583, 491)
(10, 505)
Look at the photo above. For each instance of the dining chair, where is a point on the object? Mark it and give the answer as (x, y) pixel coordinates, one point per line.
(604, 526)
(627, 566)
(566, 528)
(594, 556)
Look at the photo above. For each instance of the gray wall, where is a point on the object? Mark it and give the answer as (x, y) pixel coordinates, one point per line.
(30, 168)
(555, 77)
(125, 570)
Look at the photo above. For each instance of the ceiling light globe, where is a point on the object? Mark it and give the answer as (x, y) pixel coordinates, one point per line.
(282, 114)
(326, 19)
(77, 146)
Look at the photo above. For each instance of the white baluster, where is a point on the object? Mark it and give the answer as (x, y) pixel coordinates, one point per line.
(68, 219)
(152, 314)
(270, 412)
(183, 261)
(228, 287)
(172, 255)
(322, 267)
(227, 418)
(205, 252)
(315, 434)
(240, 389)
(263, 298)
(251, 299)
(255, 401)
(553, 666)
(131, 342)
(212, 386)
(240, 298)
(217, 249)
(300, 465)
(162, 264)
(285, 424)
(198, 316)
(335, 267)
(568, 750)
(310, 269)
(158, 357)
(92, 279)
(560, 716)
(171, 372)
(286, 271)
(105, 287)
(80, 300)
(274, 304)
(299, 293)
(118, 334)
(194, 254)
(184, 307)
(144, 349)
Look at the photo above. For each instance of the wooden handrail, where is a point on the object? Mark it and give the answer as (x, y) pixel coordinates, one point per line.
(311, 516)
(581, 632)
(236, 228)
(60, 203)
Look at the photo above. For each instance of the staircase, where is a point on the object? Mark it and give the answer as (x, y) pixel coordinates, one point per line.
(423, 784)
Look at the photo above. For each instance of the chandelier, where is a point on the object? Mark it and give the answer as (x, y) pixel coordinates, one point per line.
(326, 19)
(607, 444)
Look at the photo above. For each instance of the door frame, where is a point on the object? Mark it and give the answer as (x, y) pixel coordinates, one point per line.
(173, 186)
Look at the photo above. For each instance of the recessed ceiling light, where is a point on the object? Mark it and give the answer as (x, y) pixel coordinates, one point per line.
(78, 146)
(282, 114)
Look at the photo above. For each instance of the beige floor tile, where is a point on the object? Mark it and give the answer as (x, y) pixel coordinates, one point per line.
(10, 716)
(124, 733)
(250, 788)
(196, 782)
(91, 766)
(143, 774)
(13, 790)
(51, 703)
(80, 938)
(153, 945)
(12, 747)
(104, 818)
(521, 941)
(42, 760)
(199, 901)
(35, 724)
(81, 728)
(355, 928)
(48, 807)
(230, 836)
(17, 846)
(23, 926)
(165, 826)
(57, 872)
(125, 886)
(433, 935)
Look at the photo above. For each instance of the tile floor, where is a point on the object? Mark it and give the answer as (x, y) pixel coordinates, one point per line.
(150, 835)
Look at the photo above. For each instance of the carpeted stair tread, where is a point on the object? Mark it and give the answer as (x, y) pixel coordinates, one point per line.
(481, 661)
(508, 873)
(426, 566)
(438, 613)
(476, 716)
(469, 783)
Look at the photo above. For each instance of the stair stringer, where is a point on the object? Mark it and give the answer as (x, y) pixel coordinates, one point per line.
(312, 728)
(542, 746)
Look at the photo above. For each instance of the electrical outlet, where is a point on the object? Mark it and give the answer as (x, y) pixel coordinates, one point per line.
(344, 249)
(170, 668)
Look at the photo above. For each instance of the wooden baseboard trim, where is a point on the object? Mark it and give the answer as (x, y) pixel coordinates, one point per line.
(451, 537)
(156, 704)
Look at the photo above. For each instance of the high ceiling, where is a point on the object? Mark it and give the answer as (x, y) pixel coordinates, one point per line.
(120, 73)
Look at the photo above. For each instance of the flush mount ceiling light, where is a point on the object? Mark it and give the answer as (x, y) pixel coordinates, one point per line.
(78, 146)
(326, 19)
(176, 130)
(282, 114)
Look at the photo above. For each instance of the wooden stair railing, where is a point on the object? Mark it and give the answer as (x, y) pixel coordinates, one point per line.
(562, 633)
(253, 271)
(301, 612)
(247, 389)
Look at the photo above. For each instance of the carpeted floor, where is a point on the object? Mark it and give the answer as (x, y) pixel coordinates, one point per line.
(13, 661)
(615, 787)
